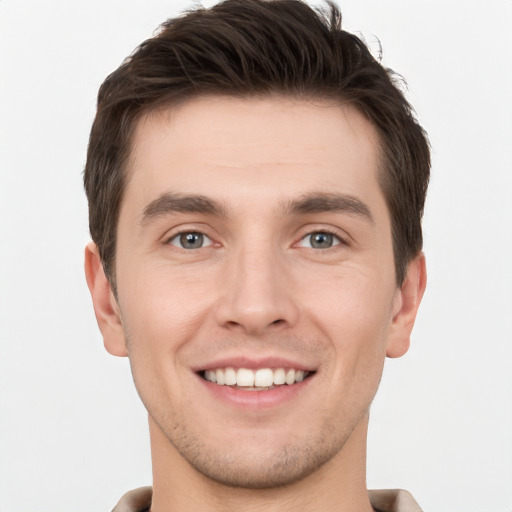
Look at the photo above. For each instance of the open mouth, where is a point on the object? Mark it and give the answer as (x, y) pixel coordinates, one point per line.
(262, 379)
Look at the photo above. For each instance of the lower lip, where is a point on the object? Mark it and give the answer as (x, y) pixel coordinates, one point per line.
(263, 399)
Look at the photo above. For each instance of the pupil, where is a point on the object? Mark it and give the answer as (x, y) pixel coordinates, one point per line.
(321, 240)
(191, 240)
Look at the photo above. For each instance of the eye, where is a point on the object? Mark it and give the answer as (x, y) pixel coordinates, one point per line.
(320, 240)
(190, 240)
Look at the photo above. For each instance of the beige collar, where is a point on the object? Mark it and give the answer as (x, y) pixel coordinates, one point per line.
(395, 500)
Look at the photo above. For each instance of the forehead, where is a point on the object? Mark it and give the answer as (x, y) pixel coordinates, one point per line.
(256, 148)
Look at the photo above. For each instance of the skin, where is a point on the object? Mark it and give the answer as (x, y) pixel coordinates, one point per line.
(256, 289)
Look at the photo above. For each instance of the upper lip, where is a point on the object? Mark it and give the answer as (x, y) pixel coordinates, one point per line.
(254, 363)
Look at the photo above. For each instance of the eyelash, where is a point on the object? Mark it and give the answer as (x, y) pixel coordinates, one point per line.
(335, 235)
(177, 236)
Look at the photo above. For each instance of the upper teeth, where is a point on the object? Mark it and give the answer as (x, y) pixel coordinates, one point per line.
(264, 377)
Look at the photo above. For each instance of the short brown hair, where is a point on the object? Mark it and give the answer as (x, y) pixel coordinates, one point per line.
(250, 48)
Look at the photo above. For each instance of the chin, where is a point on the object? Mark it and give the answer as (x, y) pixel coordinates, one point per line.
(283, 470)
(261, 465)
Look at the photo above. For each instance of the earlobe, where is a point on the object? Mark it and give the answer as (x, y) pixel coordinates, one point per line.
(405, 307)
(105, 305)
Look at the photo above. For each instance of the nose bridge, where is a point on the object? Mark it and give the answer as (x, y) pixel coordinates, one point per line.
(257, 288)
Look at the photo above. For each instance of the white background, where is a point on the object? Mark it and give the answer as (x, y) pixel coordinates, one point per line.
(72, 432)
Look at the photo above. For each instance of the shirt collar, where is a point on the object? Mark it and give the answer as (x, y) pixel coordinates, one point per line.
(384, 500)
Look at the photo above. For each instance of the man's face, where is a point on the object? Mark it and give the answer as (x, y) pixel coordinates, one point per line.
(254, 242)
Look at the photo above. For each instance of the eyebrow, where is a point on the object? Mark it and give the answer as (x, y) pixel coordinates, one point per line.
(177, 203)
(326, 202)
(318, 202)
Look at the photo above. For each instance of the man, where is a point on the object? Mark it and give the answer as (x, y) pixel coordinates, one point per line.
(256, 184)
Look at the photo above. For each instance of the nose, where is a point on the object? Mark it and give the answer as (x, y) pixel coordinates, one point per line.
(257, 292)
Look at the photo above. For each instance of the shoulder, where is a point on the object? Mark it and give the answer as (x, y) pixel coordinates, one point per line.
(137, 500)
(393, 500)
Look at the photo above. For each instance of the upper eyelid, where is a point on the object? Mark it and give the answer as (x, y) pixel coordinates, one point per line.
(186, 228)
(185, 231)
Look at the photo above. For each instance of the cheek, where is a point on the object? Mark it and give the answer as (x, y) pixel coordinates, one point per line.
(351, 301)
(162, 311)
(161, 314)
(168, 299)
(353, 311)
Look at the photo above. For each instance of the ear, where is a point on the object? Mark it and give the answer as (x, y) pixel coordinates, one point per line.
(105, 305)
(405, 306)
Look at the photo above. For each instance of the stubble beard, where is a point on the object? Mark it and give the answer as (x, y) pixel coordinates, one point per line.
(259, 463)
(258, 467)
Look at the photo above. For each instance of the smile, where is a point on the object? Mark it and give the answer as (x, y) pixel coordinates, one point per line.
(261, 379)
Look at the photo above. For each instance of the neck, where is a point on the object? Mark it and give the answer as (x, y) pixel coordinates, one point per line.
(339, 484)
